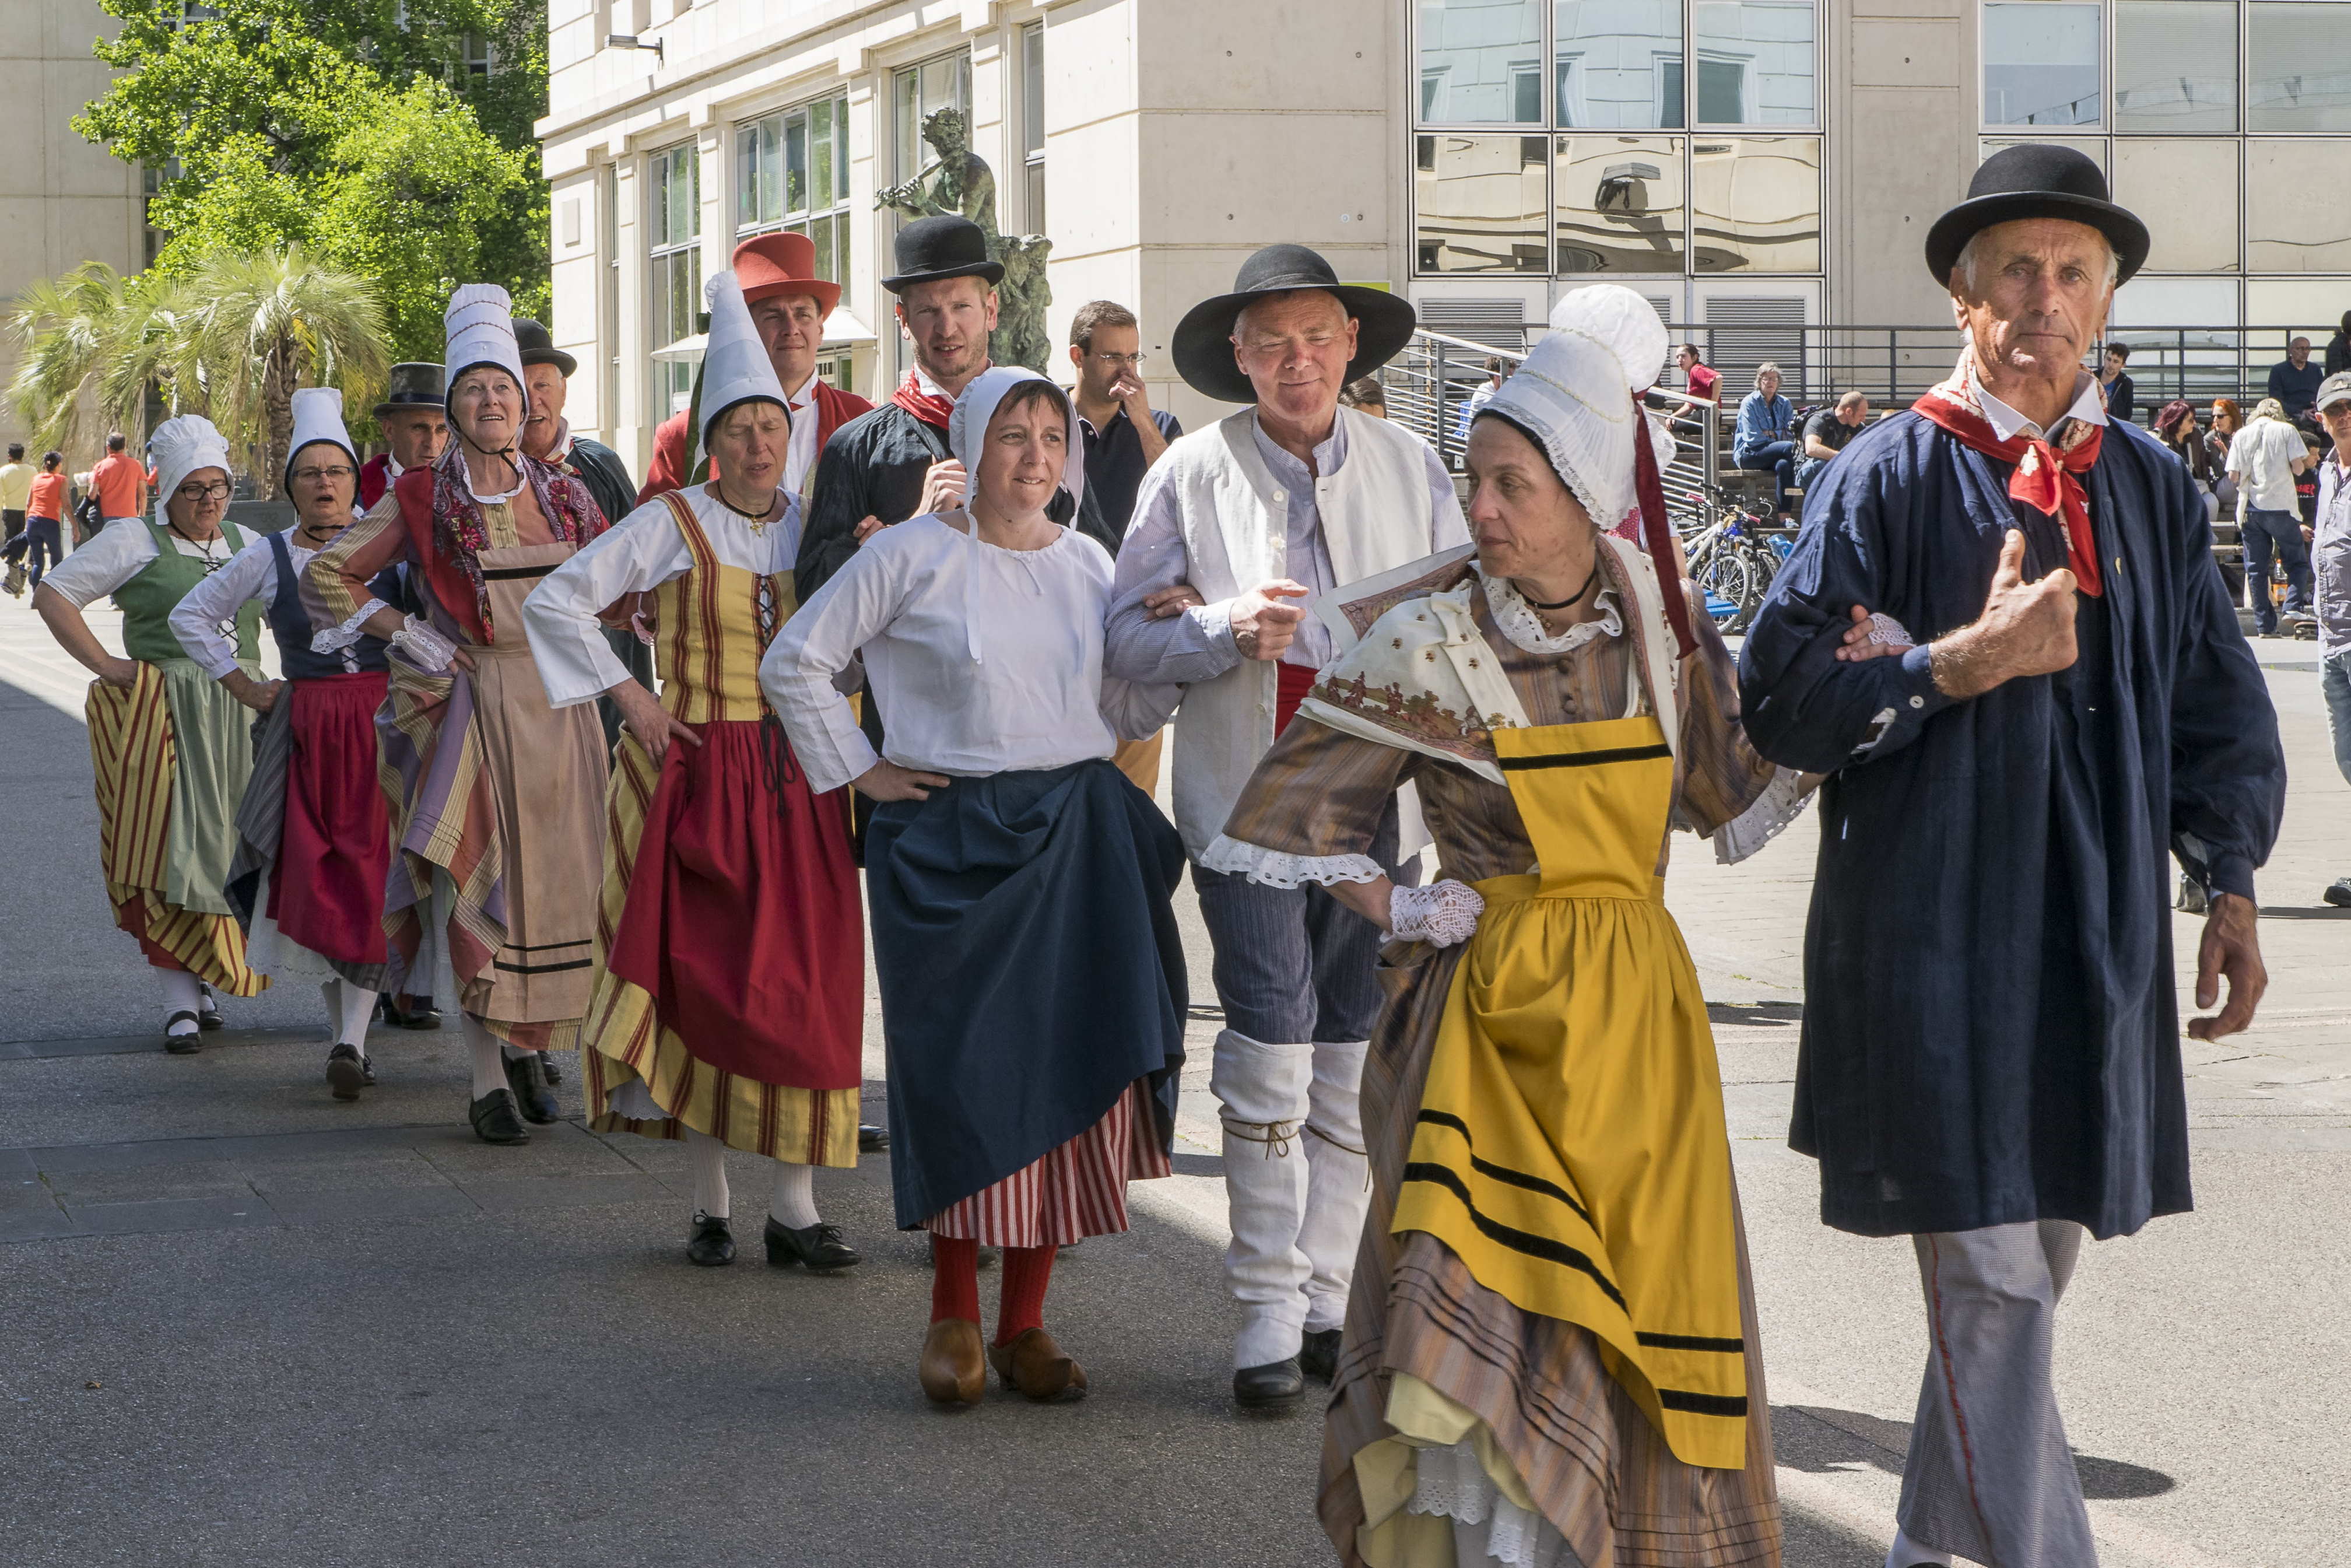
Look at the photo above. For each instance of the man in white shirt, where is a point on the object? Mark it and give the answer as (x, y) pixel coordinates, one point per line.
(2263, 459)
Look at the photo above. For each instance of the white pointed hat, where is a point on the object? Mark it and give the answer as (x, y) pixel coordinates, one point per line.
(318, 416)
(734, 364)
(1574, 394)
(480, 327)
(180, 447)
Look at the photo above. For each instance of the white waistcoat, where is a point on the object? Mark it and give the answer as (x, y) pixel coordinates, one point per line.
(1376, 516)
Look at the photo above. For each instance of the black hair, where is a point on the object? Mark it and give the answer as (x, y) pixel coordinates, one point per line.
(15, 452)
(1023, 393)
(51, 459)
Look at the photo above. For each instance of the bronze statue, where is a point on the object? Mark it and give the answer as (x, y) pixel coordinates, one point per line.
(961, 184)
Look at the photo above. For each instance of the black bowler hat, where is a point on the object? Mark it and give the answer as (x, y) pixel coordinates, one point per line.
(2035, 180)
(538, 346)
(413, 385)
(945, 246)
(1202, 346)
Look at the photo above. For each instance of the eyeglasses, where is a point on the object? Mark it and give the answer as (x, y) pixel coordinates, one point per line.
(340, 471)
(1122, 359)
(218, 491)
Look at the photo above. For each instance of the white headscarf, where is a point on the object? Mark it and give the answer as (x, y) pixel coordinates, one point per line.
(1573, 394)
(318, 416)
(179, 447)
(967, 434)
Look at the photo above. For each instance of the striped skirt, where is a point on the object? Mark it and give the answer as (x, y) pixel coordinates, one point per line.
(1075, 1191)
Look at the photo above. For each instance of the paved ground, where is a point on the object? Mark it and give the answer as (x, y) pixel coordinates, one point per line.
(240, 1323)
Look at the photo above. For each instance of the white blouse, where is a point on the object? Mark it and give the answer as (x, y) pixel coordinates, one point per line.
(197, 621)
(984, 660)
(637, 555)
(116, 553)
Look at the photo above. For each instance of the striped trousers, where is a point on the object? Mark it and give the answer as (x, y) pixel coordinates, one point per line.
(1990, 1477)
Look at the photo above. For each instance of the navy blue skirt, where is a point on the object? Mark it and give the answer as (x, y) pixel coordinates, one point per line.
(1029, 968)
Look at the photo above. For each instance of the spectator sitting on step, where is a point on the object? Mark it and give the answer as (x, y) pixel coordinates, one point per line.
(1766, 438)
(1827, 432)
(1703, 382)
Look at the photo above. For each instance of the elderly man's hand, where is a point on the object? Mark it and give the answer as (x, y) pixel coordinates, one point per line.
(2230, 947)
(1263, 626)
(2026, 628)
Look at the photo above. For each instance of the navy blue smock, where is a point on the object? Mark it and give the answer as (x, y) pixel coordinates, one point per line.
(1990, 1032)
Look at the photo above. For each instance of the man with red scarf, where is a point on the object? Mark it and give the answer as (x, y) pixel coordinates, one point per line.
(2003, 636)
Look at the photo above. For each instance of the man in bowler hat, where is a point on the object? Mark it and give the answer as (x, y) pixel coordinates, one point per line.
(2003, 637)
(415, 427)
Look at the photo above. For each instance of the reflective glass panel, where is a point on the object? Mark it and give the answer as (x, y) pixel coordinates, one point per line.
(2299, 67)
(1481, 62)
(1482, 203)
(820, 155)
(820, 232)
(1032, 89)
(2041, 62)
(2295, 217)
(1618, 64)
(796, 163)
(1754, 62)
(1756, 205)
(2187, 193)
(2094, 146)
(2175, 65)
(1620, 205)
(2298, 307)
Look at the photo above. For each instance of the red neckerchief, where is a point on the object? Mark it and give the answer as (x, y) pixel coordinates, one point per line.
(931, 408)
(2045, 478)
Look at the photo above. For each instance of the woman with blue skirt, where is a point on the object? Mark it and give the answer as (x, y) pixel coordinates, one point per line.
(1031, 977)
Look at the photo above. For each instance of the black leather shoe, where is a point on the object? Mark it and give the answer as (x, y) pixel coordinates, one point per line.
(186, 1044)
(421, 1016)
(1318, 1357)
(2339, 893)
(711, 1245)
(347, 1072)
(553, 1069)
(870, 1139)
(208, 1013)
(818, 1249)
(527, 1076)
(496, 1120)
(1272, 1389)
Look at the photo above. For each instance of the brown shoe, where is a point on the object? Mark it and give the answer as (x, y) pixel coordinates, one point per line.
(1034, 1366)
(951, 1369)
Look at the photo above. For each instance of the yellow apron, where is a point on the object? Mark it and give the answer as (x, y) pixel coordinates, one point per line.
(1571, 1146)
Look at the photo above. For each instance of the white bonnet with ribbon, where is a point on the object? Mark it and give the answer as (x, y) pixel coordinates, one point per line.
(1573, 394)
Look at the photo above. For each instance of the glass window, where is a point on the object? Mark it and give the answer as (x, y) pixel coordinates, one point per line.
(2175, 65)
(1754, 62)
(2094, 146)
(2186, 190)
(2041, 62)
(1756, 205)
(2295, 219)
(1481, 62)
(1033, 125)
(942, 83)
(674, 209)
(792, 172)
(1618, 64)
(2299, 67)
(1620, 205)
(1482, 203)
(2299, 306)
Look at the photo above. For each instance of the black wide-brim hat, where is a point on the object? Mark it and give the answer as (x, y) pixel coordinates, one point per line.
(929, 249)
(413, 384)
(538, 346)
(1202, 346)
(2035, 180)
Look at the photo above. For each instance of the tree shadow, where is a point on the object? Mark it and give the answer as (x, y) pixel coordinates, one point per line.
(1817, 1438)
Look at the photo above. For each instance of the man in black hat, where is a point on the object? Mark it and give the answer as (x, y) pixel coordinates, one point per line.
(1235, 529)
(2003, 637)
(414, 425)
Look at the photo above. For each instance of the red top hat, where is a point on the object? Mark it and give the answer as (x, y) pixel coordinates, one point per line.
(769, 264)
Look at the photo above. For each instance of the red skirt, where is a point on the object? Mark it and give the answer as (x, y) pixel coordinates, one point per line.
(743, 920)
(326, 891)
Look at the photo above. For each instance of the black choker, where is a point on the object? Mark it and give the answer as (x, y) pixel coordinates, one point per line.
(1571, 599)
(758, 517)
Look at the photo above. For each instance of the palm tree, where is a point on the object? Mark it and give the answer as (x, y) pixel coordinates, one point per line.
(72, 335)
(260, 324)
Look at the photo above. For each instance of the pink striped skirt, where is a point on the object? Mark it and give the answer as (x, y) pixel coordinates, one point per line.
(1075, 1191)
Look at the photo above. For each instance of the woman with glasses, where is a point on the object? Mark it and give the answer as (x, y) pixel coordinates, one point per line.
(313, 833)
(499, 810)
(169, 743)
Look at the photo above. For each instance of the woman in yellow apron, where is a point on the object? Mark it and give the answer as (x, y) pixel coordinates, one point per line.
(1560, 1351)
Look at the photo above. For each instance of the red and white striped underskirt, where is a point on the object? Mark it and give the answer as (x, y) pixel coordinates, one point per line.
(1075, 1191)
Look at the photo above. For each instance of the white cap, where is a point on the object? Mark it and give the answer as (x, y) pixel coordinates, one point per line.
(480, 327)
(735, 363)
(1574, 394)
(318, 416)
(180, 447)
(967, 432)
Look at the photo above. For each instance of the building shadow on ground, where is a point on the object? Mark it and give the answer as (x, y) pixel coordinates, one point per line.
(1818, 1439)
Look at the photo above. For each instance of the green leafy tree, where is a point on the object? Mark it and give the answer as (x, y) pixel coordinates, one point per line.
(91, 343)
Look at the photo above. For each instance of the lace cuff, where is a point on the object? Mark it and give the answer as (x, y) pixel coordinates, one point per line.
(335, 639)
(1275, 868)
(1450, 1483)
(1782, 802)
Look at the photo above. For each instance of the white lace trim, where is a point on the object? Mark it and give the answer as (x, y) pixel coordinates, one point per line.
(1520, 623)
(1274, 869)
(1782, 802)
(1450, 1483)
(335, 639)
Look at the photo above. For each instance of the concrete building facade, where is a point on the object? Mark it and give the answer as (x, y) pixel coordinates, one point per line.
(1755, 165)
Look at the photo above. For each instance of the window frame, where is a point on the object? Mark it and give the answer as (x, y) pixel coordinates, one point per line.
(661, 257)
(803, 219)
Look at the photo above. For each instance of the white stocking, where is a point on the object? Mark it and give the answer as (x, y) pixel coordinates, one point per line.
(179, 988)
(1908, 1553)
(358, 1007)
(793, 1207)
(489, 1069)
(705, 1157)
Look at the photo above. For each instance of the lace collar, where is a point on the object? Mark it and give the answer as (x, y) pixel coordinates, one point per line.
(1518, 622)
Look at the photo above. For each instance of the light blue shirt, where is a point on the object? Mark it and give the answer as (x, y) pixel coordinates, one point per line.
(1762, 422)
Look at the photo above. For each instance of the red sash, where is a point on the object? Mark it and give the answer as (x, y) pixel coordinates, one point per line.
(2044, 478)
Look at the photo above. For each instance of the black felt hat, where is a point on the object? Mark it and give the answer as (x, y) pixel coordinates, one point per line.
(1202, 346)
(413, 385)
(538, 346)
(947, 247)
(2035, 180)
